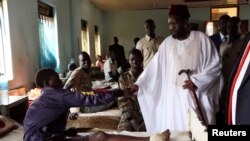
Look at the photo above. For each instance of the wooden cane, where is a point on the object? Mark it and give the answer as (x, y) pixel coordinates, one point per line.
(194, 97)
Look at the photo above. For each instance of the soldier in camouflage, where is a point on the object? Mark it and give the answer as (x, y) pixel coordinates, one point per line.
(131, 117)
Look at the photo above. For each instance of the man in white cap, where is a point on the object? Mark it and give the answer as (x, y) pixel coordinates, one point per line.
(164, 95)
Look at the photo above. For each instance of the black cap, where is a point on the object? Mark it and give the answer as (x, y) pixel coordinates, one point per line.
(179, 10)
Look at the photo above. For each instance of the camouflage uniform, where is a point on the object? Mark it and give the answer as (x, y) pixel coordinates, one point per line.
(128, 106)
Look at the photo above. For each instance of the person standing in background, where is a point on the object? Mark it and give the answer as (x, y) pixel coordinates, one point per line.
(222, 35)
(118, 50)
(230, 51)
(238, 93)
(149, 44)
(221, 39)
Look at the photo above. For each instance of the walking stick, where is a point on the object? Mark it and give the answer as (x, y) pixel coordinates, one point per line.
(194, 97)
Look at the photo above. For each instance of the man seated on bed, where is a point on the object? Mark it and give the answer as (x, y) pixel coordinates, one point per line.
(46, 117)
(131, 117)
(80, 80)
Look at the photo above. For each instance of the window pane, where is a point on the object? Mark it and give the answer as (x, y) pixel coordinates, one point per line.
(97, 42)
(5, 50)
(216, 13)
(2, 63)
(49, 56)
(84, 36)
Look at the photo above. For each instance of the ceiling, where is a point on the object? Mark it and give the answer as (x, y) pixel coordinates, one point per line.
(116, 5)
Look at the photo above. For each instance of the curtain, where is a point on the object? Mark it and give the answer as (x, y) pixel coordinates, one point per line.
(48, 47)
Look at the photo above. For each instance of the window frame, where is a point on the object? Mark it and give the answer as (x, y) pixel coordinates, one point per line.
(214, 17)
(97, 41)
(85, 46)
(5, 46)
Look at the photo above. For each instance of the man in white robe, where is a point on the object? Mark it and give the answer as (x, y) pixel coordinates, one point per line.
(164, 95)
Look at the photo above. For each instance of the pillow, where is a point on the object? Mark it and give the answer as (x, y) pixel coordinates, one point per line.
(6, 125)
(94, 109)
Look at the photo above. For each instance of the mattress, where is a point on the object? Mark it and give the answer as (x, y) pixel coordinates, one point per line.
(197, 131)
(108, 119)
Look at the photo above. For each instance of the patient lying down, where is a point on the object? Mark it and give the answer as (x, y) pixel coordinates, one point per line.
(46, 117)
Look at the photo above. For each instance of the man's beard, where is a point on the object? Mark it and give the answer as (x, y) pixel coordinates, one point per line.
(174, 34)
(177, 35)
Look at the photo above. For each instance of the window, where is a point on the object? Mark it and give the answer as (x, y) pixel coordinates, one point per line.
(216, 13)
(49, 56)
(84, 36)
(210, 28)
(5, 48)
(97, 42)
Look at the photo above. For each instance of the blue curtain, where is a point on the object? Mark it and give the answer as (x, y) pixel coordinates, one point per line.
(48, 47)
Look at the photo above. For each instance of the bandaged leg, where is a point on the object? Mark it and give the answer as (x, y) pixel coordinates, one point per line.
(164, 136)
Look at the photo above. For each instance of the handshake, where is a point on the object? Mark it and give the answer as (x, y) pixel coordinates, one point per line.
(130, 90)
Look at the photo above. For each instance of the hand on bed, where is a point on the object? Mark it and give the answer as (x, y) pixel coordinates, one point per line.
(73, 116)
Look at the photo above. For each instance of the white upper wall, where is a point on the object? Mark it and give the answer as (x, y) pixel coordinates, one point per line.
(24, 41)
(23, 19)
(83, 9)
(127, 25)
